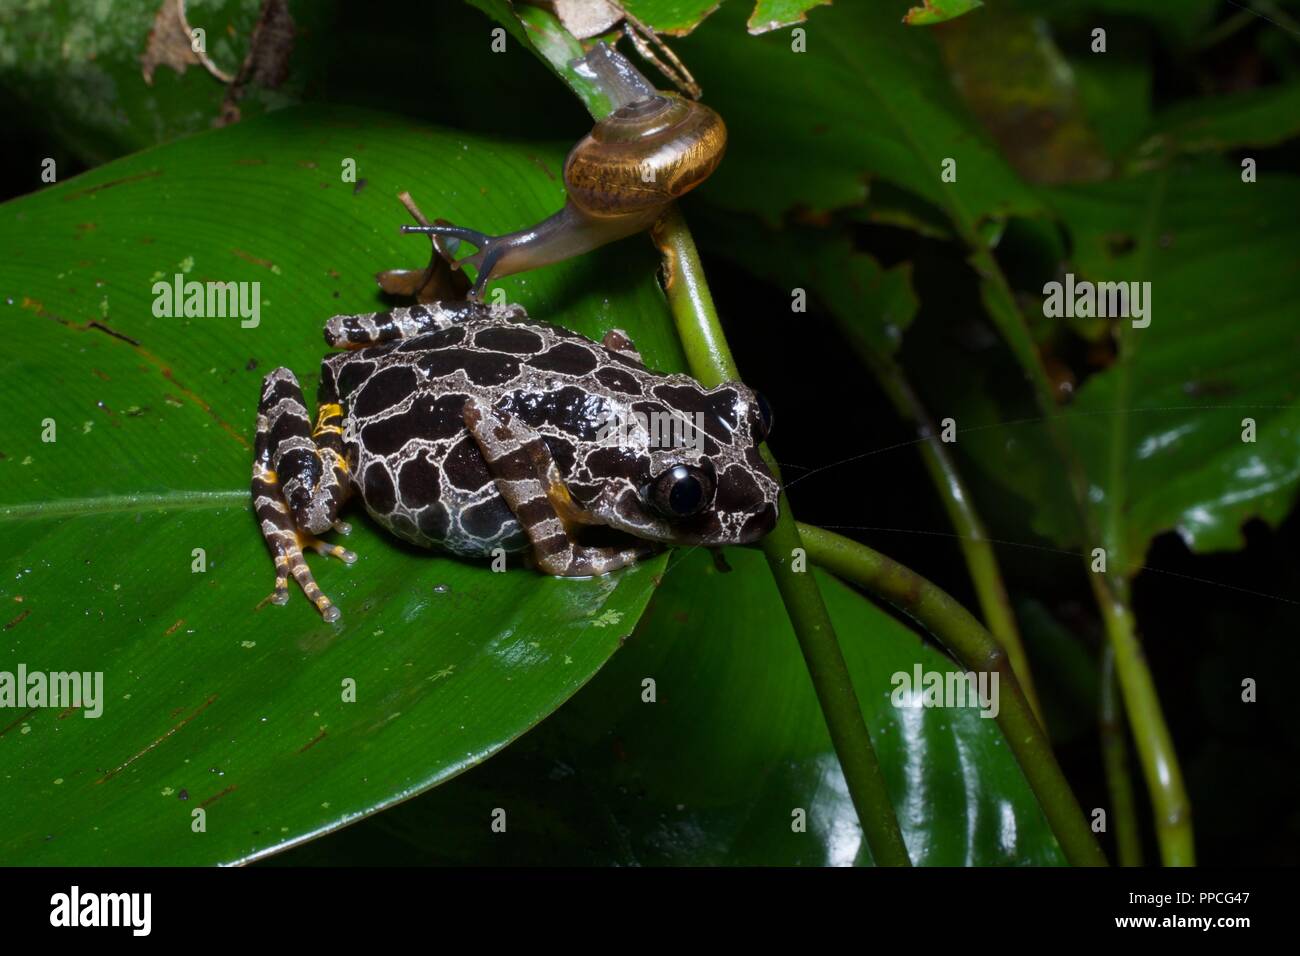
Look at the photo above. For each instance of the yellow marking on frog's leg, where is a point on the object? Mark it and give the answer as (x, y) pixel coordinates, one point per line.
(327, 549)
(334, 459)
(302, 574)
(286, 529)
(285, 544)
(327, 420)
(566, 509)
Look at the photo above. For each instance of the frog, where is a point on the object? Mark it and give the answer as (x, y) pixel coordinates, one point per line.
(468, 427)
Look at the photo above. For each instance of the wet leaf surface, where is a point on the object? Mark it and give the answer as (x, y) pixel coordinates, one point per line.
(210, 699)
(714, 770)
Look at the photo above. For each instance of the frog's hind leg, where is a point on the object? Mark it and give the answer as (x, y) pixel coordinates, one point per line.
(375, 328)
(298, 485)
(528, 480)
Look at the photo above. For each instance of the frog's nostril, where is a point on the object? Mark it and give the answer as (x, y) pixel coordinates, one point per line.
(759, 523)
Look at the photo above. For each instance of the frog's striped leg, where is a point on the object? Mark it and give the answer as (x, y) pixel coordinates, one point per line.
(528, 480)
(374, 328)
(296, 487)
(328, 436)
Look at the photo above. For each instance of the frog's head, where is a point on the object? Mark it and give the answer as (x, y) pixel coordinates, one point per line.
(689, 466)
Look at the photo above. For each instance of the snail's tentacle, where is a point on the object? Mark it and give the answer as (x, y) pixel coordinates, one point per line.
(489, 250)
(652, 149)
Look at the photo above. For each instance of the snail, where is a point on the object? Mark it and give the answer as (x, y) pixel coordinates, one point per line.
(620, 178)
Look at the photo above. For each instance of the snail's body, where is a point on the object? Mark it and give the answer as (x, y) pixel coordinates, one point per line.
(620, 178)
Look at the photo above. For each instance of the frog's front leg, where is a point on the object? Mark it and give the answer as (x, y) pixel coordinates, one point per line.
(527, 478)
(299, 482)
(374, 328)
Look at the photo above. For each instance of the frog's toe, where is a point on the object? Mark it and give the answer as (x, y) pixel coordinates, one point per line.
(342, 527)
(328, 610)
(281, 593)
(331, 550)
(293, 565)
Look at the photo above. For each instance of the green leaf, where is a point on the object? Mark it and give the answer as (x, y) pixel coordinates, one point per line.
(1263, 117)
(545, 36)
(84, 68)
(676, 17)
(1161, 430)
(771, 15)
(868, 98)
(1160, 433)
(210, 699)
(1116, 96)
(1015, 80)
(931, 12)
(712, 771)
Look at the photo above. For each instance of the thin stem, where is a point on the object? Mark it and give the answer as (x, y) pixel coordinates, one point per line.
(711, 362)
(691, 303)
(1151, 733)
(974, 647)
(1155, 745)
(1114, 752)
(975, 546)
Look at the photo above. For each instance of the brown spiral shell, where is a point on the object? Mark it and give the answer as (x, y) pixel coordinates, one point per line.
(644, 155)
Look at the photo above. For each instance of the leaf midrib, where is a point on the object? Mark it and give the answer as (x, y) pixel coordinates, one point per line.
(116, 504)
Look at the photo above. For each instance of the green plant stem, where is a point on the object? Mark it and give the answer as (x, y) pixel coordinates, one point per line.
(976, 549)
(711, 362)
(1151, 733)
(1156, 753)
(1114, 753)
(1155, 744)
(975, 648)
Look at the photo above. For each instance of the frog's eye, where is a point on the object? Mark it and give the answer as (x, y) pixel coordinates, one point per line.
(681, 491)
(764, 416)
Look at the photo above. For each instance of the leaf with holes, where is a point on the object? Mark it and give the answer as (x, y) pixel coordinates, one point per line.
(1195, 427)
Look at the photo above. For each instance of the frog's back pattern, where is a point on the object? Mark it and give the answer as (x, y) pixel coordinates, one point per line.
(419, 470)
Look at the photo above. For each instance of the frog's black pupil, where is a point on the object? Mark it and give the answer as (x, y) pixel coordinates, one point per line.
(687, 494)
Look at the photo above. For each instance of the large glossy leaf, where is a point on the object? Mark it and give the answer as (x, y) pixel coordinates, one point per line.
(213, 700)
(1160, 432)
(714, 768)
(868, 97)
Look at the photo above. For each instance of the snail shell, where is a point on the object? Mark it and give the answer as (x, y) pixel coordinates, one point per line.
(644, 155)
